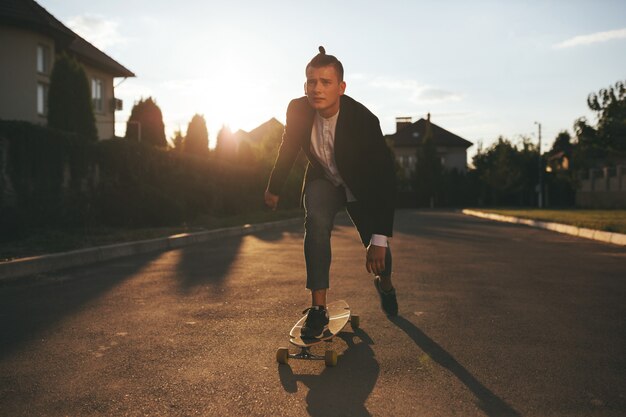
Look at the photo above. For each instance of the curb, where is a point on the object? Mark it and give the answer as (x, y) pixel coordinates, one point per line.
(599, 235)
(47, 263)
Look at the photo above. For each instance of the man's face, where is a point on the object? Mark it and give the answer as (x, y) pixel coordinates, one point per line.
(323, 89)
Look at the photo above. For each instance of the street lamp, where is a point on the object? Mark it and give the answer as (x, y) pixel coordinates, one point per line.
(540, 171)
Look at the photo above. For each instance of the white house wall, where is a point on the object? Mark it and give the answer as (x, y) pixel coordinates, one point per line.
(18, 74)
(105, 119)
(452, 158)
(19, 78)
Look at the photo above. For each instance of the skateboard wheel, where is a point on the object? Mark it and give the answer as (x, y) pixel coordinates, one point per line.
(355, 321)
(330, 358)
(282, 356)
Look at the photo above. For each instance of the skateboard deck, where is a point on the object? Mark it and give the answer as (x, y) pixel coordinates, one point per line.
(339, 316)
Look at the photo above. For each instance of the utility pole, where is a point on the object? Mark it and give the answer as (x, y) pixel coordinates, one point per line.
(540, 171)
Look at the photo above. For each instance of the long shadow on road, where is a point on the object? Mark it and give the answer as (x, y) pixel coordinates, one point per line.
(450, 225)
(342, 390)
(31, 305)
(208, 263)
(489, 402)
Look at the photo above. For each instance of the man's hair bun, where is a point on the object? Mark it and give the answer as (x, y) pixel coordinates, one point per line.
(323, 60)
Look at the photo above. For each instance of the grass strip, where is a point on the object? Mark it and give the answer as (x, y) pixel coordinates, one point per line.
(607, 220)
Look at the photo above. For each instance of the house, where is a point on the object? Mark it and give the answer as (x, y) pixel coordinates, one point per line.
(451, 149)
(30, 39)
(270, 130)
(266, 135)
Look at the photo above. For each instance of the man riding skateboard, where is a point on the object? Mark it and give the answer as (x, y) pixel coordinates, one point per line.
(351, 167)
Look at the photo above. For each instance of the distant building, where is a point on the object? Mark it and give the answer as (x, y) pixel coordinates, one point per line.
(270, 130)
(451, 149)
(267, 134)
(30, 39)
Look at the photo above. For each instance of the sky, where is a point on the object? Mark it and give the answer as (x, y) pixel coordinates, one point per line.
(483, 69)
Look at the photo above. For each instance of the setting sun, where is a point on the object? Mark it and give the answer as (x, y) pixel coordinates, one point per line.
(228, 88)
(233, 99)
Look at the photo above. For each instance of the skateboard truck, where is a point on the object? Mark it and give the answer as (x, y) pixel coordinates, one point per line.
(283, 356)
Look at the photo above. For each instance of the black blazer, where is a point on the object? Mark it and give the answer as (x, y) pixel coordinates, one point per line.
(363, 159)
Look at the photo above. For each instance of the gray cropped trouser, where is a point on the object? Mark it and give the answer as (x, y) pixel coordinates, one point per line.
(322, 202)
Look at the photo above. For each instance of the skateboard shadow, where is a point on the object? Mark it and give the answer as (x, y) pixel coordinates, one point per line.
(341, 390)
(489, 402)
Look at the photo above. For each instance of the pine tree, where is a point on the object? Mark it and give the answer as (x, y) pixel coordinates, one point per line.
(178, 140)
(428, 171)
(197, 138)
(145, 124)
(69, 99)
(226, 146)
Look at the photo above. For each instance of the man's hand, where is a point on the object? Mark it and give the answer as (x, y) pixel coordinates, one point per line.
(375, 259)
(271, 200)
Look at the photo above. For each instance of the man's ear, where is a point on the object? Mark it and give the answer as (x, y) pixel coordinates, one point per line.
(305, 89)
(342, 87)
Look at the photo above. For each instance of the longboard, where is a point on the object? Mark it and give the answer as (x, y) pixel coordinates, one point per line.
(339, 316)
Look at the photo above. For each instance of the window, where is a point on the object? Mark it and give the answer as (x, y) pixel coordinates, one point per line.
(96, 94)
(43, 59)
(42, 99)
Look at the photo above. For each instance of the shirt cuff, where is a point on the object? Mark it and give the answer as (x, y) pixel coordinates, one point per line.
(379, 240)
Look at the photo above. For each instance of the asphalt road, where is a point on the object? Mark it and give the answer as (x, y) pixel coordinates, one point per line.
(496, 320)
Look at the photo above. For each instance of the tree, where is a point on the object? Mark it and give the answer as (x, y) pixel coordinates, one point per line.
(197, 138)
(607, 139)
(562, 143)
(69, 99)
(226, 146)
(560, 181)
(610, 104)
(145, 124)
(560, 155)
(428, 172)
(245, 155)
(508, 174)
(177, 140)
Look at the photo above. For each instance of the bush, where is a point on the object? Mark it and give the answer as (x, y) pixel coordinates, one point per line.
(59, 180)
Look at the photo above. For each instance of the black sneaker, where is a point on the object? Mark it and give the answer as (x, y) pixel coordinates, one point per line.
(388, 300)
(316, 322)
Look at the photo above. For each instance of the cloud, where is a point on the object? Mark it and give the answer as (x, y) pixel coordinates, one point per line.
(98, 30)
(457, 115)
(431, 95)
(592, 38)
(186, 84)
(413, 90)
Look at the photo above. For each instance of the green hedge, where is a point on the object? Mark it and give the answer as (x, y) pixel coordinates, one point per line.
(50, 178)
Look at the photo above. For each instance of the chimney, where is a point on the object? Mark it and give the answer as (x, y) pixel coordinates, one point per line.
(428, 116)
(402, 122)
